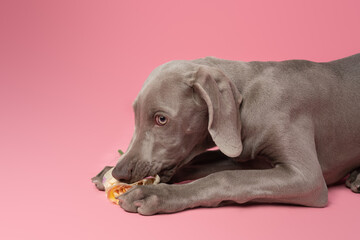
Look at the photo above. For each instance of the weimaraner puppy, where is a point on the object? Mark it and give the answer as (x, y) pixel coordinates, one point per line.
(284, 130)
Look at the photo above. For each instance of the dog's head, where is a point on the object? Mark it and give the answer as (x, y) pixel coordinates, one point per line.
(183, 109)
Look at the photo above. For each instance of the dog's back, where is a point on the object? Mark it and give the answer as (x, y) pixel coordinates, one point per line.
(349, 67)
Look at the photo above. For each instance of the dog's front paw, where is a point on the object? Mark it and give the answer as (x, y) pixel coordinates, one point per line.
(151, 199)
(98, 179)
(353, 181)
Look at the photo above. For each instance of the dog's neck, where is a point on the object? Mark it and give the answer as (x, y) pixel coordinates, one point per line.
(241, 73)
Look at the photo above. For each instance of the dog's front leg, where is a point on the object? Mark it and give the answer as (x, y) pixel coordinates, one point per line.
(296, 178)
(281, 184)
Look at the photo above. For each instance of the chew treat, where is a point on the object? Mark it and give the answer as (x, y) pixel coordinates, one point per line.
(114, 188)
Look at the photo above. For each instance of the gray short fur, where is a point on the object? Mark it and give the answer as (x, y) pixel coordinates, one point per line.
(285, 130)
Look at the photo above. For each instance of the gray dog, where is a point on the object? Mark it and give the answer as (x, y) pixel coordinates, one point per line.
(284, 130)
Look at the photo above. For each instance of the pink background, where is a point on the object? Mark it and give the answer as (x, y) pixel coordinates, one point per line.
(69, 71)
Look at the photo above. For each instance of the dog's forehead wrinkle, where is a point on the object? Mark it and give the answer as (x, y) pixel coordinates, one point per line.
(167, 85)
(163, 97)
(175, 70)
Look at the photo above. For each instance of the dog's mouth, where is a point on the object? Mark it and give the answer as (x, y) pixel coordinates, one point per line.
(164, 174)
(167, 173)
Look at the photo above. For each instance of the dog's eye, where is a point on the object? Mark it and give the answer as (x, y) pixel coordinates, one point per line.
(160, 120)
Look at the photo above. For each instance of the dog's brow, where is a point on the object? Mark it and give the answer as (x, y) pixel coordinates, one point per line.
(134, 105)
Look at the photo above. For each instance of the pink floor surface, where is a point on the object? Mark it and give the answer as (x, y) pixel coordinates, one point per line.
(69, 71)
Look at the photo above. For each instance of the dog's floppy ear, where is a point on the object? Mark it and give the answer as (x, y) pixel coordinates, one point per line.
(223, 101)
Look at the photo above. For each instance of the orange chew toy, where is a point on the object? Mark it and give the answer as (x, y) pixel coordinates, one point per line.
(114, 188)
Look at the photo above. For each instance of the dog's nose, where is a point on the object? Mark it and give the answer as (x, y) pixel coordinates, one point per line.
(121, 173)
